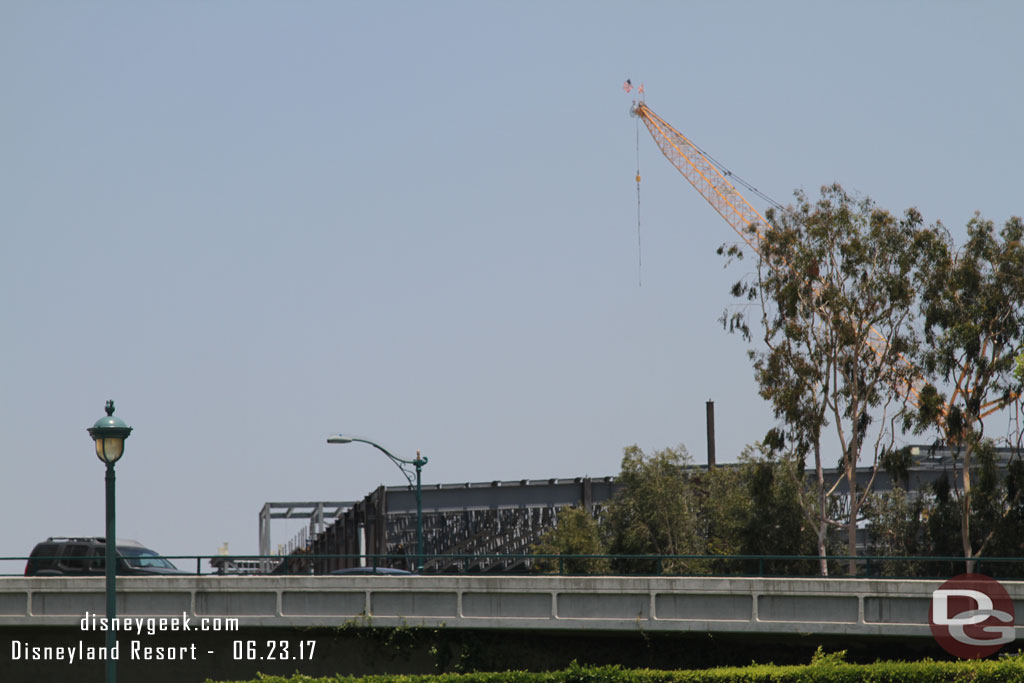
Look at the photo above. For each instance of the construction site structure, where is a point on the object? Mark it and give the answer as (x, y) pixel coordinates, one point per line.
(489, 527)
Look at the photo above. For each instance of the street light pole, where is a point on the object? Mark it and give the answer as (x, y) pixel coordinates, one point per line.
(109, 434)
(418, 463)
(110, 567)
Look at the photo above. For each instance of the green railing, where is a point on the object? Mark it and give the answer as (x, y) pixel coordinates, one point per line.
(866, 566)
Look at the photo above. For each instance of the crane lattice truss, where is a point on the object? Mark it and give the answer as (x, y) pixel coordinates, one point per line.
(748, 223)
(705, 177)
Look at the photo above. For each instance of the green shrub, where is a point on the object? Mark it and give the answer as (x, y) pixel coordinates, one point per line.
(824, 668)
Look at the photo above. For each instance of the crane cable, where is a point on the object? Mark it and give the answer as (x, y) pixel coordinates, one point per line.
(715, 162)
(639, 249)
(729, 174)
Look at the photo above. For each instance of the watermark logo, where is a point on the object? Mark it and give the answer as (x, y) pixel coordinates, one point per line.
(971, 616)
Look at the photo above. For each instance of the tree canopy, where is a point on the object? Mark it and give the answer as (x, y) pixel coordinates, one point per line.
(972, 306)
(834, 297)
(666, 506)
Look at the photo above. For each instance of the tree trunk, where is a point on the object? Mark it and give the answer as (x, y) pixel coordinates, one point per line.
(851, 538)
(965, 515)
(822, 521)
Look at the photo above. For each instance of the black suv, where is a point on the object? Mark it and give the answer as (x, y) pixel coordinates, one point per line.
(58, 556)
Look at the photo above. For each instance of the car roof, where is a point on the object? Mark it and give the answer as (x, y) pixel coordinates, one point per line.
(93, 539)
(371, 570)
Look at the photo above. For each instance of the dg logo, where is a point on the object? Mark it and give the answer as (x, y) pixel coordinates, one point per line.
(971, 616)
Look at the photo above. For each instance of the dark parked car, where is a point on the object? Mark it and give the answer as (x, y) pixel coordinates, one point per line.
(60, 556)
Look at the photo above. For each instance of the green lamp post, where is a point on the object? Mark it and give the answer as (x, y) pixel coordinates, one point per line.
(109, 434)
(418, 463)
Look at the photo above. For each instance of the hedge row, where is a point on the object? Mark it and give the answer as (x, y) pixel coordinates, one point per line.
(824, 668)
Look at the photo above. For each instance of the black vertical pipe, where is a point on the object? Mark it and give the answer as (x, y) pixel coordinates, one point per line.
(711, 433)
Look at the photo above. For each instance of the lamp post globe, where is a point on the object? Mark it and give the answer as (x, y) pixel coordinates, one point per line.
(109, 434)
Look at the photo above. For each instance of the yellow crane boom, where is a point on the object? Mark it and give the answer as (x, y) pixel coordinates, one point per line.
(704, 176)
(713, 185)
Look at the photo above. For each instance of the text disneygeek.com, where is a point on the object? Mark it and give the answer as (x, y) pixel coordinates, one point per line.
(151, 625)
(137, 649)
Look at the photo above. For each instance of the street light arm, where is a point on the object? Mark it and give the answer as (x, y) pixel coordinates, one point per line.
(383, 450)
(399, 462)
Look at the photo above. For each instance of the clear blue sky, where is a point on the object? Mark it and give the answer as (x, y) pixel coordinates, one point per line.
(253, 224)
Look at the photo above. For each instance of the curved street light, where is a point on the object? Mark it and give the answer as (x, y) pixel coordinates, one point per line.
(402, 464)
(109, 434)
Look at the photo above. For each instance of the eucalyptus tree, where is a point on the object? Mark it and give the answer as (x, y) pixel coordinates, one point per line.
(834, 294)
(972, 304)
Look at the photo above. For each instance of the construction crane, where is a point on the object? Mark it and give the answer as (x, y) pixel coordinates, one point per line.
(707, 178)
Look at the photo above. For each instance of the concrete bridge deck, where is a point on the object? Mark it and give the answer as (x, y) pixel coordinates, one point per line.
(868, 607)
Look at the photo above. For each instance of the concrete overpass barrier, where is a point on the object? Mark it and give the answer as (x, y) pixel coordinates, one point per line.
(870, 607)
